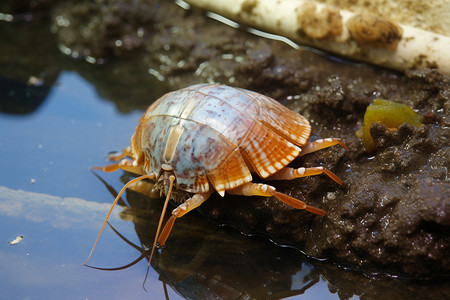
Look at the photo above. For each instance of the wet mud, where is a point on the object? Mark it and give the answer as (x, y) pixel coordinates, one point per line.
(392, 215)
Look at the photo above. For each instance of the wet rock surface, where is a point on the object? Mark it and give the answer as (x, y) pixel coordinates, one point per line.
(393, 214)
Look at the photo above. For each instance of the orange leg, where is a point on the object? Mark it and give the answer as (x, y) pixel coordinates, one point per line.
(125, 164)
(147, 188)
(122, 163)
(259, 189)
(118, 156)
(190, 204)
(290, 173)
(321, 144)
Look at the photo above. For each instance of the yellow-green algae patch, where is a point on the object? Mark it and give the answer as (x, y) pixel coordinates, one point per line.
(388, 113)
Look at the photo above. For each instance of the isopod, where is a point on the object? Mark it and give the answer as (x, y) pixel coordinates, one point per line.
(210, 137)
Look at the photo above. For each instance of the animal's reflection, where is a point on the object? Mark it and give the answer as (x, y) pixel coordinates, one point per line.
(203, 261)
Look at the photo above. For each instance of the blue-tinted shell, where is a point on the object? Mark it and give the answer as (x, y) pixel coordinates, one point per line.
(216, 135)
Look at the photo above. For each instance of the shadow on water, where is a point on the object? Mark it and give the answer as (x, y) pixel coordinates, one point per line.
(200, 260)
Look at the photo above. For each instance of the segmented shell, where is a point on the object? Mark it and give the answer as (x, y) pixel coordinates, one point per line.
(215, 134)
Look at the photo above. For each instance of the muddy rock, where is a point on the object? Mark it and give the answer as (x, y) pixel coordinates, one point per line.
(103, 28)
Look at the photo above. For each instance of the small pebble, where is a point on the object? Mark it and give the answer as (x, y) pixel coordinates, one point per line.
(17, 240)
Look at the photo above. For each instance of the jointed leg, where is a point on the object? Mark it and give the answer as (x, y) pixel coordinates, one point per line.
(290, 173)
(146, 188)
(190, 204)
(122, 163)
(321, 144)
(125, 164)
(259, 189)
(118, 156)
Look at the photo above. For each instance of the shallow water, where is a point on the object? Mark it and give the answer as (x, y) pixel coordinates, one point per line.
(58, 117)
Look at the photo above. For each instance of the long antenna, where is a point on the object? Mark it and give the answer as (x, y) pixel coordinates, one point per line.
(150, 176)
(161, 218)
